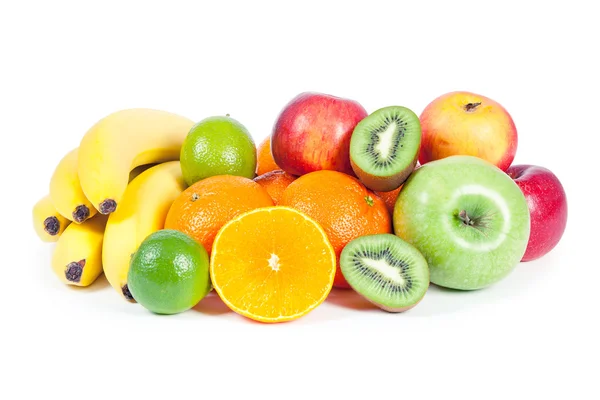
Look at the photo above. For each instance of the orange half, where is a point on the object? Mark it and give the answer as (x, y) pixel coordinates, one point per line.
(272, 264)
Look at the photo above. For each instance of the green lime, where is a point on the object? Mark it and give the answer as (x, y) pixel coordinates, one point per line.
(169, 273)
(217, 146)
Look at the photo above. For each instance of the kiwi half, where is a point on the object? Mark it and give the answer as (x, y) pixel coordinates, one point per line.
(386, 270)
(384, 147)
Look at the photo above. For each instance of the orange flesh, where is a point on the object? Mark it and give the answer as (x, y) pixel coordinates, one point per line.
(272, 264)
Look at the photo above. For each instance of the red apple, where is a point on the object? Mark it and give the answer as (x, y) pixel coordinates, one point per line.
(547, 203)
(313, 133)
(464, 123)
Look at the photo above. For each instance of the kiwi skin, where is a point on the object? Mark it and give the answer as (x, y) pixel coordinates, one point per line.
(395, 310)
(386, 308)
(384, 183)
(387, 183)
(391, 309)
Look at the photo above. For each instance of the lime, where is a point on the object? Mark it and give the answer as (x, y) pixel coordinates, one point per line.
(217, 146)
(169, 273)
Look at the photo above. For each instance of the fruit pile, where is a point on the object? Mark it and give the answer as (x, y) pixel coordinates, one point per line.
(382, 203)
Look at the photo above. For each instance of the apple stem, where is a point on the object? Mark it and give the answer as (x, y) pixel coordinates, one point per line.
(465, 218)
(470, 107)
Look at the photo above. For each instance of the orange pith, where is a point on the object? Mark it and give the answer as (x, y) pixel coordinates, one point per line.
(272, 264)
(264, 158)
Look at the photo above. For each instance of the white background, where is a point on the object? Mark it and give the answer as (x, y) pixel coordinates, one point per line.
(65, 65)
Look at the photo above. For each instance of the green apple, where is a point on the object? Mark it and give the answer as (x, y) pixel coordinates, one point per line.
(468, 218)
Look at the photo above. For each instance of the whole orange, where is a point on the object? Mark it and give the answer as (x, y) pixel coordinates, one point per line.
(275, 182)
(264, 158)
(389, 198)
(203, 208)
(342, 205)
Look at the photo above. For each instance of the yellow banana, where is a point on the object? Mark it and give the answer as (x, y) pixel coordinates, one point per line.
(142, 210)
(77, 258)
(120, 142)
(66, 193)
(47, 222)
(138, 170)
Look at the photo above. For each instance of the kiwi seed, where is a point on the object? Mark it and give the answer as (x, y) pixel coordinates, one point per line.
(384, 147)
(386, 270)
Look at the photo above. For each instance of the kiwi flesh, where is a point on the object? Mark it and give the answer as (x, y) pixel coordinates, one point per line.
(386, 270)
(384, 147)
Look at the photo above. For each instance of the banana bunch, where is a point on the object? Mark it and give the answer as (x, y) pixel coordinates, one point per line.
(142, 211)
(108, 194)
